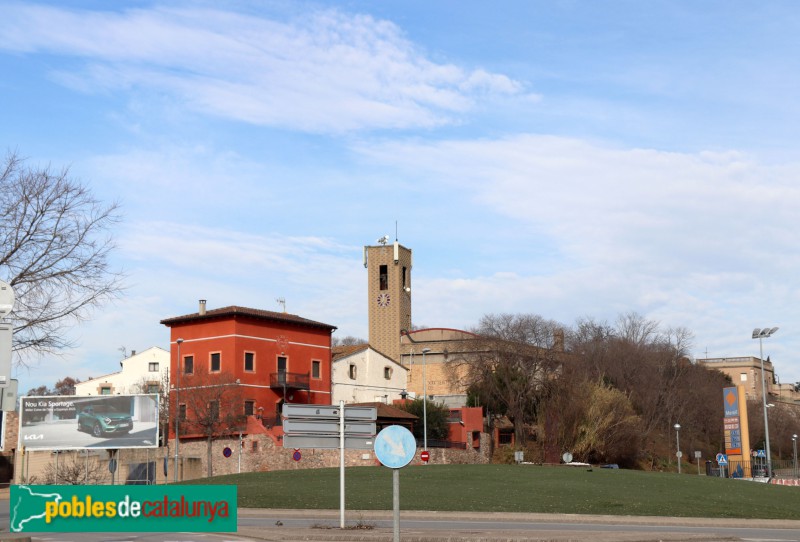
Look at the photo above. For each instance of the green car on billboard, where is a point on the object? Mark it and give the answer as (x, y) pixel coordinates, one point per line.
(101, 420)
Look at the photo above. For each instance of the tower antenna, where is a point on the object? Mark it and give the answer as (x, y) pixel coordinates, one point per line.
(282, 301)
(395, 230)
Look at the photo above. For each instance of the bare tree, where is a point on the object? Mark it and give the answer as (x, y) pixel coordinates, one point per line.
(74, 469)
(349, 340)
(55, 245)
(65, 386)
(512, 366)
(213, 408)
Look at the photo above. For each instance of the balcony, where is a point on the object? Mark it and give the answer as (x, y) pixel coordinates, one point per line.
(290, 381)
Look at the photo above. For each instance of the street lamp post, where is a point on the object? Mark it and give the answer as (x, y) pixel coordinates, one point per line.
(761, 334)
(678, 453)
(794, 453)
(424, 401)
(177, 410)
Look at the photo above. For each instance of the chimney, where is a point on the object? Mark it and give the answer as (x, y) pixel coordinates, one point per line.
(202, 307)
(133, 353)
(558, 340)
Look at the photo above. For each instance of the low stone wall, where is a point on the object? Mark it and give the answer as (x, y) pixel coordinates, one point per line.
(259, 453)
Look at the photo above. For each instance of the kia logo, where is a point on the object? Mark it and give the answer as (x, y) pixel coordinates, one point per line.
(33, 437)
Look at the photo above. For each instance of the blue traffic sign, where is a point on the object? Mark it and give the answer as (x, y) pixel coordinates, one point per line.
(722, 459)
(395, 446)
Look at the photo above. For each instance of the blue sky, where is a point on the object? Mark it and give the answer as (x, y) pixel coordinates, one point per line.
(565, 158)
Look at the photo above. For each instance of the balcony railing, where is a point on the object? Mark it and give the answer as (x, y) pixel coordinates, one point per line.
(290, 381)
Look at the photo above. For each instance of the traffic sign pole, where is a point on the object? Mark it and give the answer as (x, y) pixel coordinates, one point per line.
(341, 464)
(396, 504)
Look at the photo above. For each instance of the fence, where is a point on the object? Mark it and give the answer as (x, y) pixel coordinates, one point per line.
(781, 468)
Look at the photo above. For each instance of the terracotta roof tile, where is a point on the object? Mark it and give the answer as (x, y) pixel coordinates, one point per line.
(234, 310)
(388, 411)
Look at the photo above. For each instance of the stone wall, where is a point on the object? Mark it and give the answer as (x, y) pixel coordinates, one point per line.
(262, 453)
(259, 453)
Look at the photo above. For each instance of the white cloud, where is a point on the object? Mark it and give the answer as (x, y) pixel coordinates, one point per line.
(327, 72)
(703, 240)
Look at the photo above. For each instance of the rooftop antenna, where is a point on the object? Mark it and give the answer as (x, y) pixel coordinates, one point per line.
(383, 240)
(282, 301)
(395, 230)
(124, 352)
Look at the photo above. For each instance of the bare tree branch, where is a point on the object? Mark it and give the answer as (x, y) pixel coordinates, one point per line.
(55, 246)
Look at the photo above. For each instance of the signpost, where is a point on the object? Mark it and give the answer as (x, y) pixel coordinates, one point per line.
(395, 447)
(6, 332)
(425, 456)
(329, 427)
(722, 461)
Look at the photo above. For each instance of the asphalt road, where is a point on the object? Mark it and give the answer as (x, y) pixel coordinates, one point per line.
(376, 526)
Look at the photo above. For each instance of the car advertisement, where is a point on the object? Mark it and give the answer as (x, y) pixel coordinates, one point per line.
(70, 422)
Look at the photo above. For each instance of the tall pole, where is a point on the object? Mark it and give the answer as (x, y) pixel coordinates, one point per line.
(424, 401)
(177, 410)
(794, 453)
(678, 445)
(761, 334)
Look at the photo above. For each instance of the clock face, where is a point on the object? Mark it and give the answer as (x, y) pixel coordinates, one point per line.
(383, 300)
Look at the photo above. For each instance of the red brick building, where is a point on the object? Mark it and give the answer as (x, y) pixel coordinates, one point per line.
(270, 357)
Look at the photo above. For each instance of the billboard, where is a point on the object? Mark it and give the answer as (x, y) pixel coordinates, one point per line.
(70, 422)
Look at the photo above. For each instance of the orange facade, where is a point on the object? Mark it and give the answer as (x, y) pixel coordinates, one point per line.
(269, 357)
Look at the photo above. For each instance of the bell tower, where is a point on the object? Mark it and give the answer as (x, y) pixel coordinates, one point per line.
(388, 295)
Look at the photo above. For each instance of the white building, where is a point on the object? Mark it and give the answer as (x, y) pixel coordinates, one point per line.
(142, 372)
(361, 374)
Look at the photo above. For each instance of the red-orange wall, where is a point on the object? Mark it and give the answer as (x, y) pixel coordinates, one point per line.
(232, 336)
(472, 418)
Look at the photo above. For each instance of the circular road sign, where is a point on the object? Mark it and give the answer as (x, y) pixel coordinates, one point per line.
(425, 456)
(679, 453)
(297, 456)
(395, 446)
(226, 452)
(567, 457)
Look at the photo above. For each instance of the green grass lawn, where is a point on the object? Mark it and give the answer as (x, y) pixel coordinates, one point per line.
(513, 488)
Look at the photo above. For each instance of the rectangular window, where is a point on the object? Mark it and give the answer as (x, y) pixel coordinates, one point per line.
(249, 408)
(182, 411)
(384, 277)
(216, 362)
(152, 388)
(188, 365)
(255, 446)
(353, 372)
(404, 277)
(281, 365)
(315, 369)
(249, 362)
(387, 373)
(153, 367)
(213, 410)
(105, 390)
(743, 377)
